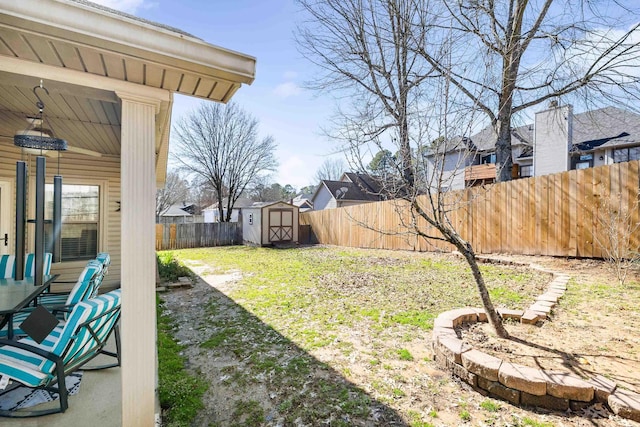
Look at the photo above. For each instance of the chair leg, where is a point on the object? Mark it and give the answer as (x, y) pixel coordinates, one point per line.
(117, 332)
(62, 387)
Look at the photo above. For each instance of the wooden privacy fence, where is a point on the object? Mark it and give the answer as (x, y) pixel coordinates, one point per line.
(182, 236)
(575, 214)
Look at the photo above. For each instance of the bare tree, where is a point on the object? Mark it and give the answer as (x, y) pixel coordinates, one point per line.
(220, 145)
(510, 55)
(367, 51)
(618, 237)
(176, 189)
(331, 169)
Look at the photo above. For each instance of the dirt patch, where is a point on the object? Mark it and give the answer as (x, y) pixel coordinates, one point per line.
(374, 372)
(593, 330)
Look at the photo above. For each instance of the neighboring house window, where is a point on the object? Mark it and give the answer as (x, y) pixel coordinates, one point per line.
(583, 165)
(583, 161)
(626, 154)
(80, 220)
(526, 171)
(489, 158)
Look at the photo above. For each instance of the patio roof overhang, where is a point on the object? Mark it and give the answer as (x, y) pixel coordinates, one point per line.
(86, 53)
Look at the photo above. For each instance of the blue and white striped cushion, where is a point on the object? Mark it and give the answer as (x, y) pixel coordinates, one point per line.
(7, 266)
(82, 290)
(105, 259)
(84, 340)
(98, 277)
(30, 264)
(33, 370)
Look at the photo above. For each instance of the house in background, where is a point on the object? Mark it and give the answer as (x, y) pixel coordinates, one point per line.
(212, 214)
(303, 202)
(352, 189)
(557, 141)
(181, 213)
(111, 79)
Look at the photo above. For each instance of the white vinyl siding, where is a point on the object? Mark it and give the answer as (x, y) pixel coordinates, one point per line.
(324, 200)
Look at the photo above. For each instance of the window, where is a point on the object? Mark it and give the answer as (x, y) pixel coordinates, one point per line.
(489, 158)
(626, 154)
(80, 220)
(583, 165)
(526, 171)
(582, 161)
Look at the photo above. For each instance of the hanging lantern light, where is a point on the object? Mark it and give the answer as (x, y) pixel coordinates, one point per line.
(39, 135)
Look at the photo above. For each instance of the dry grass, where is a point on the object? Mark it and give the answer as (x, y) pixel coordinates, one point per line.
(335, 336)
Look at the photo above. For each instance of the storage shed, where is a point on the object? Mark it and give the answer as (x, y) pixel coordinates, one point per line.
(268, 223)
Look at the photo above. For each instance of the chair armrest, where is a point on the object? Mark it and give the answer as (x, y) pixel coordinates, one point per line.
(61, 309)
(30, 348)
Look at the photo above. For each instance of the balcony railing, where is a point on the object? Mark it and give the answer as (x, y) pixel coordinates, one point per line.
(480, 172)
(486, 172)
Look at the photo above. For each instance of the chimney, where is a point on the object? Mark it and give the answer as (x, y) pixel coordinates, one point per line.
(552, 139)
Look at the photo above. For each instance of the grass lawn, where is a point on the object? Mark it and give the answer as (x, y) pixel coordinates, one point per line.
(335, 336)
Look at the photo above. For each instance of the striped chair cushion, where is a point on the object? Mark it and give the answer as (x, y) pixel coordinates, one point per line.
(84, 288)
(30, 264)
(7, 266)
(81, 291)
(99, 276)
(105, 259)
(70, 341)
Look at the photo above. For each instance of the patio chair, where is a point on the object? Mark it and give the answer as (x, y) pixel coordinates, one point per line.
(7, 266)
(84, 288)
(105, 259)
(66, 349)
(30, 264)
(60, 303)
(93, 272)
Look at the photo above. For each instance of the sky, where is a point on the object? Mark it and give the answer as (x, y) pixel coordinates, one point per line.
(263, 29)
(293, 116)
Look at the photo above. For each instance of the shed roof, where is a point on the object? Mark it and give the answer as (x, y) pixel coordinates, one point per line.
(260, 205)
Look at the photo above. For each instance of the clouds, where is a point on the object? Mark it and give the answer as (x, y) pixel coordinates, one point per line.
(127, 6)
(290, 75)
(297, 169)
(289, 87)
(285, 90)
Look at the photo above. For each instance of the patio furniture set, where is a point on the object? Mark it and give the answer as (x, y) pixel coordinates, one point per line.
(45, 336)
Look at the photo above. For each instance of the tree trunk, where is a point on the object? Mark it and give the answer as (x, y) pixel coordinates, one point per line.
(220, 209)
(504, 160)
(492, 315)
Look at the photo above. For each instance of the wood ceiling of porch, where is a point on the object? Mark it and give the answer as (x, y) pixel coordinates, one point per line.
(28, 45)
(86, 118)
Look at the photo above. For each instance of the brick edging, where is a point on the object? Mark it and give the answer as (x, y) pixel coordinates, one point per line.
(522, 385)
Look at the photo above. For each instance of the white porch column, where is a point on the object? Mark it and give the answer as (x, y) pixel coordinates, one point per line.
(137, 213)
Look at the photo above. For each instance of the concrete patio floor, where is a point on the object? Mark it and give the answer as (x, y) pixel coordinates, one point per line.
(97, 403)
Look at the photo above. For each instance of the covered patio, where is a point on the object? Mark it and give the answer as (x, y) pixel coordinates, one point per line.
(110, 79)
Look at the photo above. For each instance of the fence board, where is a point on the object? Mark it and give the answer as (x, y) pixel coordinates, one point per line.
(557, 215)
(198, 235)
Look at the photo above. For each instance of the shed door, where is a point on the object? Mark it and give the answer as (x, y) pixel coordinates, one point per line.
(280, 225)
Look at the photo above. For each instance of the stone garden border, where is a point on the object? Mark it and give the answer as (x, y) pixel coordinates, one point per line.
(522, 385)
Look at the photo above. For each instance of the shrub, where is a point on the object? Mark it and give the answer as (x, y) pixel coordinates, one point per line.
(169, 268)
